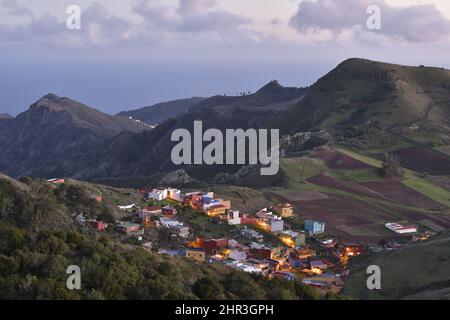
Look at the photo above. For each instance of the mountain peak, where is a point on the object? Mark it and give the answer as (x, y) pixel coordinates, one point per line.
(272, 85)
(6, 116)
(52, 97)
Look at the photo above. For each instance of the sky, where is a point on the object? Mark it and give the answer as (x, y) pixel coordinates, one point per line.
(129, 54)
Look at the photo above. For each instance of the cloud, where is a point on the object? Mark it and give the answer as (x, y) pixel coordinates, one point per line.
(98, 28)
(418, 23)
(189, 16)
(14, 9)
(187, 7)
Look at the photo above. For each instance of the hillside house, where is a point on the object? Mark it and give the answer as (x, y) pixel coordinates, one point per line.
(262, 266)
(296, 263)
(167, 222)
(261, 253)
(314, 227)
(237, 254)
(169, 210)
(128, 227)
(197, 254)
(292, 238)
(248, 220)
(304, 253)
(97, 225)
(147, 213)
(212, 246)
(177, 228)
(251, 234)
(234, 244)
(285, 210)
(269, 222)
(195, 199)
(352, 249)
(234, 217)
(243, 266)
(216, 210)
(175, 194)
(318, 265)
(180, 230)
(158, 194)
(400, 229)
(271, 225)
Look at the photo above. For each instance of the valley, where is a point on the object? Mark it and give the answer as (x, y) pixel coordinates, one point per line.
(364, 148)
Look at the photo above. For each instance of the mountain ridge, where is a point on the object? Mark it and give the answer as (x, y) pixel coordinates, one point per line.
(355, 103)
(162, 111)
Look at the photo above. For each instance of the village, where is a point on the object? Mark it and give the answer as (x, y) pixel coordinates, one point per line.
(197, 225)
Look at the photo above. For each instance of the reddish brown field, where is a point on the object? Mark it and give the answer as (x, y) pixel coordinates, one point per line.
(401, 194)
(437, 222)
(329, 182)
(347, 218)
(337, 160)
(422, 160)
(359, 221)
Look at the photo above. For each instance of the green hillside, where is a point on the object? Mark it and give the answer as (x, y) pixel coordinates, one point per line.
(365, 100)
(39, 239)
(421, 271)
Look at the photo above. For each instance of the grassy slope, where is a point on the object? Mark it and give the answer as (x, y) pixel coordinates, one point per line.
(364, 102)
(418, 271)
(412, 179)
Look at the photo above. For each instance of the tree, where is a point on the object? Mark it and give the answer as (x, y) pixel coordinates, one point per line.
(207, 289)
(391, 166)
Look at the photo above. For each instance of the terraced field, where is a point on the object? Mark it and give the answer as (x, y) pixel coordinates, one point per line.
(346, 190)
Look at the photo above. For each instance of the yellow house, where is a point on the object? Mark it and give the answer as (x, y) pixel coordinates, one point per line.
(285, 210)
(197, 254)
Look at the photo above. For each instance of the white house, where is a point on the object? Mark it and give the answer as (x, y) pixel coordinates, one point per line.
(234, 217)
(400, 229)
(174, 194)
(237, 254)
(167, 222)
(158, 194)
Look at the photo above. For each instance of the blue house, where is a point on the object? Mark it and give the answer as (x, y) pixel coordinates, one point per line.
(314, 227)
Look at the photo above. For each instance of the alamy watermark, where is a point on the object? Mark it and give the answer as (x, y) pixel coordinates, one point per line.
(238, 147)
(73, 21)
(374, 280)
(74, 280)
(374, 20)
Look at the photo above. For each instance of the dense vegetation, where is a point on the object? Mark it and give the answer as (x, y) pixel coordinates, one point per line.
(38, 241)
(33, 266)
(420, 271)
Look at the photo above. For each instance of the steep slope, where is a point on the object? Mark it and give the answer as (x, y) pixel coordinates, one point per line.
(361, 97)
(5, 116)
(148, 153)
(421, 271)
(161, 112)
(5, 121)
(34, 204)
(39, 238)
(52, 137)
